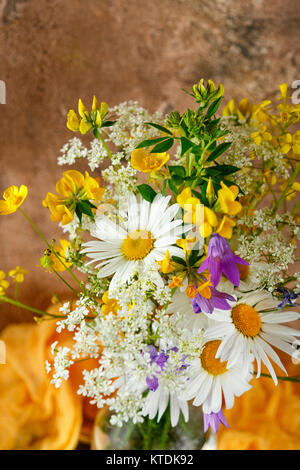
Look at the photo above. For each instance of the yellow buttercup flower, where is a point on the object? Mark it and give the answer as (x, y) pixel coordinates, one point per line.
(88, 120)
(226, 199)
(18, 274)
(13, 197)
(147, 162)
(166, 266)
(63, 251)
(4, 284)
(72, 188)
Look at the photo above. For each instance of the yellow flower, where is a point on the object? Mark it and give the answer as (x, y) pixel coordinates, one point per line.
(289, 142)
(88, 120)
(147, 162)
(18, 274)
(3, 283)
(187, 243)
(261, 135)
(176, 282)
(192, 207)
(210, 192)
(166, 266)
(226, 199)
(210, 221)
(13, 198)
(294, 188)
(72, 188)
(203, 287)
(109, 305)
(63, 252)
(241, 110)
(225, 227)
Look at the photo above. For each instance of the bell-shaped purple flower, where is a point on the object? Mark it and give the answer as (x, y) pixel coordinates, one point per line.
(213, 420)
(220, 259)
(217, 300)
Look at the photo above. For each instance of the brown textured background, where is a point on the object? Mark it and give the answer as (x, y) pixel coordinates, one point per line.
(52, 52)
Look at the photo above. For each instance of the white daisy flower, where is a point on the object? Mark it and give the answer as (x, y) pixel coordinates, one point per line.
(156, 403)
(149, 231)
(211, 379)
(252, 323)
(180, 303)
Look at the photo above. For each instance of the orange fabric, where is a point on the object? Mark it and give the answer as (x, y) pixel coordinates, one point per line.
(33, 413)
(266, 417)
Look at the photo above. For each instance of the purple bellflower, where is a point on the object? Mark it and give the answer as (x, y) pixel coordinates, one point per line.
(213, 420)
(220, 259)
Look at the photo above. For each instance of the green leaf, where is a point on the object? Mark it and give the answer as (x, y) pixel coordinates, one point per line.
(221, 170)
(194, 257)
(84, 207)
(218, 151)
(149, 142)
(173, 187)
(108, 123)
(213, 107)
(163, 146)
(177, 170)
(186, 144)
(179, 260)
(147, 192)
(160, 128)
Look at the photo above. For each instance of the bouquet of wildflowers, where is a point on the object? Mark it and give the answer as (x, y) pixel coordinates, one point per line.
(185, 251)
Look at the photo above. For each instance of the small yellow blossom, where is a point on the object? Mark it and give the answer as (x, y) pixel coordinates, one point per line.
(4, 284)
(263, 135)
(176, 282)
(109, 305)
(242, 110)
(88, 120)
(18, 274)
(293, 190)
(289, 142)
(210, 192)
(72, 188)
(191, 291)
(13, 197)
(208, 223)
(62, 250)
(166, 266)
(193, 209)
(203, 287)
(147, 162)
(225, 227)
(226, 199)
(187, 243)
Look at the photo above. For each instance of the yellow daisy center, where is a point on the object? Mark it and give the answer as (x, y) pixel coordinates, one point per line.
(246, 319)
(137, 245)
(209, 361)
(244, 271)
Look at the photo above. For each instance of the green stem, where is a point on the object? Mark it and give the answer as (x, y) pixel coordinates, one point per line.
(292, 179)
(49, 246)
(295, 378)
(105, 145)
(27, 307)
(64, 281)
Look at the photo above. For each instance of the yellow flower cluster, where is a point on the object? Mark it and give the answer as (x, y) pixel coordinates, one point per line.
(18, 274)
(13, 197)
(87, 119)
(4, 284)
(72, 188)
(206, 218)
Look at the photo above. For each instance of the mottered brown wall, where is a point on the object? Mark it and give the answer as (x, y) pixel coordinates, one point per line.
(52, 52)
